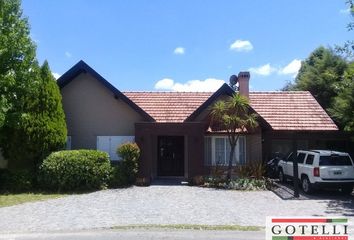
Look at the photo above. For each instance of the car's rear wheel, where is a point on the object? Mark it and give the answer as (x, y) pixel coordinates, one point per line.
(281, 175)
(306, 185)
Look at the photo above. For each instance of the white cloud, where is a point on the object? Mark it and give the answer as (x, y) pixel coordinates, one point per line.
(207, 85)
(292, 68)
(56, 75)
(241, 46)
(179, 51)
(68, 54)
(263, 70)
(165, 84)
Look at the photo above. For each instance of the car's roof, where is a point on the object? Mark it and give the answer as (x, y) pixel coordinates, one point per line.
(327, 152)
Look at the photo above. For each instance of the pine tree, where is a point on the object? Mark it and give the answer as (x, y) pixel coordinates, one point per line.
(320, 74)
(44, 124)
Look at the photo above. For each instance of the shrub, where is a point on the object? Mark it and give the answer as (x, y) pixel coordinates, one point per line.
(16, 180)
(75, 170)
(245, 184)
(251, 170)
(130, 153)
(119, 178)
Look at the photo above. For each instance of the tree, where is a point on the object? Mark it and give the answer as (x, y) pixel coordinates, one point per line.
(320, 74)
(40, 128)
(347, 50)
(233, 116)
(342, 108)
(33, 119)
(17, 54)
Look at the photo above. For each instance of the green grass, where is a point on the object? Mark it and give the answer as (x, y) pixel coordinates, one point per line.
(193, 227)
(14, 199)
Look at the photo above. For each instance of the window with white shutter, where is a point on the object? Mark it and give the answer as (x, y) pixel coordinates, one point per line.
(109, 144)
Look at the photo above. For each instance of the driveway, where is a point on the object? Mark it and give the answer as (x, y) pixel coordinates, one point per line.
(160, 204)
(140, 234)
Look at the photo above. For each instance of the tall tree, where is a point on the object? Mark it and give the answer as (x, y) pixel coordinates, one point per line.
(44, 123)
(320, 74)
(232, 115)
(17, 54)
(33, 118)
(342, 108)
(347, 50)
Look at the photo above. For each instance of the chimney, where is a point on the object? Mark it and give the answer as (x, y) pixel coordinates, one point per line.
(243, 81)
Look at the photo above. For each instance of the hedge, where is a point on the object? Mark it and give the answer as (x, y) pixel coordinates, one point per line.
(75, 170)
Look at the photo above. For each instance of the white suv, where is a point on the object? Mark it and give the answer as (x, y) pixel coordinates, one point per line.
(320, 169)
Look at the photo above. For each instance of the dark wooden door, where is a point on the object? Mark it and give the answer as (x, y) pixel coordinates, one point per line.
(170, 156)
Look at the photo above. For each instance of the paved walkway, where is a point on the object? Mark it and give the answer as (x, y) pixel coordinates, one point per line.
(162, 205)
(141, 234)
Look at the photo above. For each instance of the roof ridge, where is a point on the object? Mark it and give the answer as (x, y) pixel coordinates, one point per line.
(164, 92)
(143, 91)
(279, 91)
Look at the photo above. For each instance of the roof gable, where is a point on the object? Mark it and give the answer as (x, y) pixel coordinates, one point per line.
(223, 90)
(82, 67)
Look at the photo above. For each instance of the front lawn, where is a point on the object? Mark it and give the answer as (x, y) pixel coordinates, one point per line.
(14, 199)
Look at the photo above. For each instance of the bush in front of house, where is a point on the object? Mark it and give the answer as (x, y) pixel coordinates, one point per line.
(243, 184)
(119, 178)
(125, 172)
(252, 169)
(16, 180)
(75, 170)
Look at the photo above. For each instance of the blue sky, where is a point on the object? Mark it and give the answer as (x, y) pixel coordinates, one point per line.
(185, 45)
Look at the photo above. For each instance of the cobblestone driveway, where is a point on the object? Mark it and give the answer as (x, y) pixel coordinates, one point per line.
(161, 205)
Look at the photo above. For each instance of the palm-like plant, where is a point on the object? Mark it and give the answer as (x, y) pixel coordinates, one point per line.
(233, 116)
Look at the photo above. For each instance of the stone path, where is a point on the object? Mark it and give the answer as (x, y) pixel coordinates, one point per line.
(162, 205)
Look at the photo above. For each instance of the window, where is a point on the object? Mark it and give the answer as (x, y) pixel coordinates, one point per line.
(217, 151)
(68, 143)
(309, 159)
(290, 157)
(301, 157)
(220, 151)
(109, 144)
(335, 160)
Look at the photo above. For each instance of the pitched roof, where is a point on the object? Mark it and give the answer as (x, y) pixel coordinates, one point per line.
(278, 110)
(281, 110)
(81, 67)
(169, 106)
(295, 110)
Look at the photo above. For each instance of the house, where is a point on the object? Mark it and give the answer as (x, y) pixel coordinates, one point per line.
(171, 128)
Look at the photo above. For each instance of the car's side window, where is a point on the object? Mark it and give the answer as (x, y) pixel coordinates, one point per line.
(301, 157)
(290, 157)
(309, 159)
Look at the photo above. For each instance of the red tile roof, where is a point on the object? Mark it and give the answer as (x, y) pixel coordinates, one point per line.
(297, 110)
(282, 110)
(169, 106)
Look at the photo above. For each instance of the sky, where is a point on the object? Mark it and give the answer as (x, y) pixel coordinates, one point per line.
(185, 45)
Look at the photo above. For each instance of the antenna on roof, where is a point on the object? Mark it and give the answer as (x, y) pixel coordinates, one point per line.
(233, 81)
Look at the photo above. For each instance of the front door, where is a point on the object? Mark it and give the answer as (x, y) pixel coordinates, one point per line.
(170, 156)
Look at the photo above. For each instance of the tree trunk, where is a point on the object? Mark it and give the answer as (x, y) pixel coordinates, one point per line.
(229, 169)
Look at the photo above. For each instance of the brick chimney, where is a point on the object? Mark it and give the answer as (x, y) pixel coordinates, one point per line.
(243, 81)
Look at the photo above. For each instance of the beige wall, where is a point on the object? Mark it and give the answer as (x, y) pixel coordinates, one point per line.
(91, 110)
